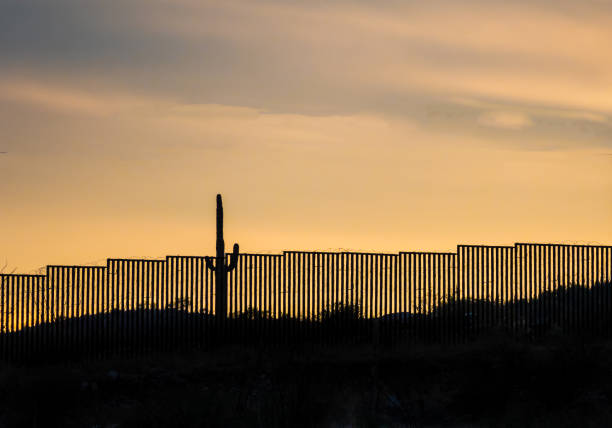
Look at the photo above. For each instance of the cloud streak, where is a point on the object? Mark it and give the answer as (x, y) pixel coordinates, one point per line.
(524, 52)
(505, 120)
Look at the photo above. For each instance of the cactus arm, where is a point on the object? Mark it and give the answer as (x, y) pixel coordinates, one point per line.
(233, 259)
(209, 263)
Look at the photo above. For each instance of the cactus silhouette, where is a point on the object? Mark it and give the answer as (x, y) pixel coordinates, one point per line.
(219, 267)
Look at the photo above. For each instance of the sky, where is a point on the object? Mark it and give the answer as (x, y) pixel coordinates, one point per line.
(350, 125)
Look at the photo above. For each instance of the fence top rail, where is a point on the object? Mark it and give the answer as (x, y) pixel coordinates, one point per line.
(357, 253)
(360, 253)
(561, 245)
(460, 247)
(309, 252)
(21, 275)
(429, 253)
(74, 267)
(178, 257)
(257, 254)
(484, 246)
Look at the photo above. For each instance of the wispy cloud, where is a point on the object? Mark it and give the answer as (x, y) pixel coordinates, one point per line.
(66, 99)
(324, 56)
(505, 120)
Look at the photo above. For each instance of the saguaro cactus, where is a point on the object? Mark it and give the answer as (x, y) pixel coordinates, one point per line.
(219, 267)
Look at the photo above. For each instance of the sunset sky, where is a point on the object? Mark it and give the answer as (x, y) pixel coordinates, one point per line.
(357, 125)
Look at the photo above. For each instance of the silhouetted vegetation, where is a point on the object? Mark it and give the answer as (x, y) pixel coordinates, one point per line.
(565, 312)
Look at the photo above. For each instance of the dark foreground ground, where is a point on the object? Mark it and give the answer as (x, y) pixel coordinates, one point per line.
(564, 383)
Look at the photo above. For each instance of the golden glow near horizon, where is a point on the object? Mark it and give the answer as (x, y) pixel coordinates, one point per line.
(324, 126)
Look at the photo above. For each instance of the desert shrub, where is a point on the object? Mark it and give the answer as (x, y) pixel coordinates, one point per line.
(341, 312)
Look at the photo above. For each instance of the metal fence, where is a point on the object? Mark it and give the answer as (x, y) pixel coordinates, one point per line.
(135, 306)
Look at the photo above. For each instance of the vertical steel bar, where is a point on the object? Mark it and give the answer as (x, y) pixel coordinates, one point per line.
(95, 309)
(301, 286)
(285, 280)
(471, 294)
(608, 286)
(319, 300)
(93, 312)
(369, 288)
(25, 330)
(144, 269)
(547, 285)
(36, 312)
(507, 287)
(28, 286)
(476, 288)
(408, 275)
(487, 285)
(417, 279)
(561, 286)
(18, 316)
(564, 277)
(258, 292)
(119, 306)
(448, 290)
(71, 309)
(3, 316)
(583, 291)
(586, 285)
(62, 309)
(111, 274)
(576, 287)
(19, 313)
(451, 277)
(311, 293)
(11, 316)
(530, 281)
(292, 285)
(379, 284)
(267, 291)
(497, 270)
(83, 278)
(552, 284)
(106, 292)
(520, 274)
(435, 268)
(571, 294)
(605, 287)
(179, 304)
(160, 269)
(416, 293)
(202, 332)
(84, 306)
(133, 344)
(428, 289)
(362, 296)
(442, 303)
(404, 297)
(132, 319)
(598, 295)
(539, 302)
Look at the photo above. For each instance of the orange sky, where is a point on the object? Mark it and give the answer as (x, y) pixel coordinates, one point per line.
(403, 126)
